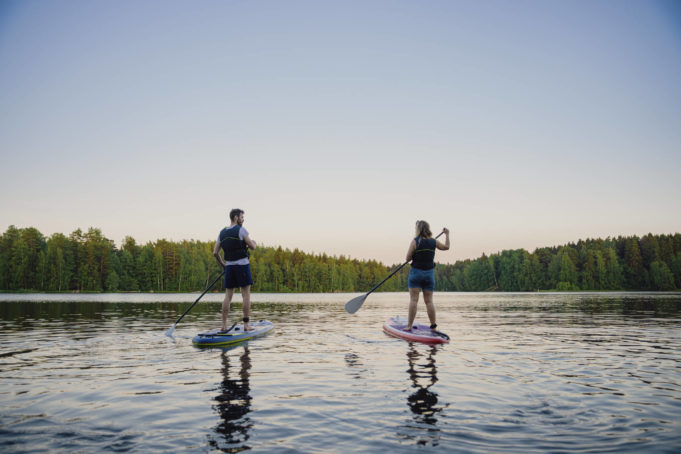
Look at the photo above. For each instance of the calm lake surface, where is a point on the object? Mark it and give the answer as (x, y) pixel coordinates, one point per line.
(553, 372)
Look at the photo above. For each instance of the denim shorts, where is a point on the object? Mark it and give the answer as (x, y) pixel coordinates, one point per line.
(238, 276)
(423, 279)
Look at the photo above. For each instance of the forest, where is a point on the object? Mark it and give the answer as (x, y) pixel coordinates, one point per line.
(90, 262)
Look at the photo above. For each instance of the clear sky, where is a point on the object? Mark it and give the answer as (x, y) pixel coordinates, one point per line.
(336, 125)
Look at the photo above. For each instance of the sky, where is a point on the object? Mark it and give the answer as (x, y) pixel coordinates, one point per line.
(337, 125)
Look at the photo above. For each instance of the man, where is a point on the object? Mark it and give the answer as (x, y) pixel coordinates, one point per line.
(235, 242)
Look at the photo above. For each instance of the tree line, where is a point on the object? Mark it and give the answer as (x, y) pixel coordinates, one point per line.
(90, 262)
(651, 262)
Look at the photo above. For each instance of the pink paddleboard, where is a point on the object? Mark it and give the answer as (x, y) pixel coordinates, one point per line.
(419, 332)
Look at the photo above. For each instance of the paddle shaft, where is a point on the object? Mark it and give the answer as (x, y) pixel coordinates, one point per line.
(389, 276)
(395, 271)
(197, 299)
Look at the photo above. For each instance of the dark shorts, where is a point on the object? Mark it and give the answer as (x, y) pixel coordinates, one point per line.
(423, 279)
(238, 276)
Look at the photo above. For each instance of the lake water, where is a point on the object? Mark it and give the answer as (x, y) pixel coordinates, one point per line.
(554, 372)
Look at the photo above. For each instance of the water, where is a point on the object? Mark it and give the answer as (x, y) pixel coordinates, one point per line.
(524, 373)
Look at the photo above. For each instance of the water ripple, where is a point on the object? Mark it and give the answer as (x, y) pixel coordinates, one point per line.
(524, 373)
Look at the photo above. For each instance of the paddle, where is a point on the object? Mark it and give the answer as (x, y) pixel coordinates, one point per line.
(228, 329)
(354, 304)
(171, 330)
(439, 333)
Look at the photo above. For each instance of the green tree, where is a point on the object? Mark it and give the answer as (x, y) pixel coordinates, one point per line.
(19, 268)
(650, 250)
(633, 270)
(589, 274)
(478, 275)
(60, 263)
(112, 281)
(614, 277)
(144, 268)
(128, 279)
(675, 268)
(661, 277)
(157, 270)
(533, 272)
(563, 271)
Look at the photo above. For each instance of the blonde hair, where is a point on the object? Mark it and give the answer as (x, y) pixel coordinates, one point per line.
(423, 229)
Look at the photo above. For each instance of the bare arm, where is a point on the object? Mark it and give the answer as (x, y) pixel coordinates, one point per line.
(249, 242)
(443, 246)
(216, 253)
(410, 251)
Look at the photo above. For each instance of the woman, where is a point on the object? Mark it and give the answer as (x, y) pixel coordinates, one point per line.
(422, 277)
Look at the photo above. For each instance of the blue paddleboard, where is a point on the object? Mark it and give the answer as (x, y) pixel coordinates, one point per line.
(217, 338)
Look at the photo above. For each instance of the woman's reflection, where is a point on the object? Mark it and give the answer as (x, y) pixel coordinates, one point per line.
(422, 401)
(233, 404)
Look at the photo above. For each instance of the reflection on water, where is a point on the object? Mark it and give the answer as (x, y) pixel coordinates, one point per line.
(524, 373)
(422, 401)
(357, 369)
(233, 403)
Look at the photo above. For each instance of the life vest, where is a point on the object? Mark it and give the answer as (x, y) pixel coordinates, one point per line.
(234, 248)
(424, 255)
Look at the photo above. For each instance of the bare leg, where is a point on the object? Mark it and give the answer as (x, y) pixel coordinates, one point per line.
(246, 295)
(413, 301)
(430, 307)
(225, 307)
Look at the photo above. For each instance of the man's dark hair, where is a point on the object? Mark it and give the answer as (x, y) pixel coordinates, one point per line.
(235, 213)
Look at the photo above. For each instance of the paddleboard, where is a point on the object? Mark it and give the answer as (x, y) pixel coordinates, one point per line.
(217, 338)
(419, 332)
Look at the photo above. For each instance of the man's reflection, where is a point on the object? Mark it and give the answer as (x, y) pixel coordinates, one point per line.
(422, 401)
(233, 404)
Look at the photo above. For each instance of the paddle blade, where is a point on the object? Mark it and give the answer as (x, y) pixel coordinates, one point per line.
(171, 330)
(354, 304)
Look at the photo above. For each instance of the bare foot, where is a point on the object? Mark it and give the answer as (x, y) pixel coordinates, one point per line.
(248, 328)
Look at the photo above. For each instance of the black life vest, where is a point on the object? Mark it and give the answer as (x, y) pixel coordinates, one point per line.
(234, 248)
(424, 255)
